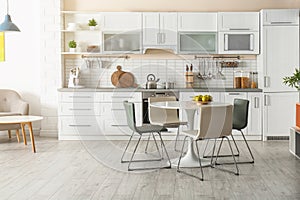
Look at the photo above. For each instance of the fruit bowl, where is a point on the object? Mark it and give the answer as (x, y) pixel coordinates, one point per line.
(202, 99)
(203, 102)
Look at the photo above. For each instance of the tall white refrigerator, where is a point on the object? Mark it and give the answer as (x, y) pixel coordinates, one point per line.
(278, 58)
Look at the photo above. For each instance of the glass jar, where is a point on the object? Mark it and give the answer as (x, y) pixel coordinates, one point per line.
(237, 79)
(253, 79)
(245, 80)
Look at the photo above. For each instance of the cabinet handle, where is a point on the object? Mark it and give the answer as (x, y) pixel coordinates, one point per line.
(267, 100)
(225, 42)
(266, 81)
(256, 102)
(83, 125)
(116, 109)
(251, 42)
(158, 38)
(120, 97)
(81, 109)
(281, 22)
(239, 29)
(80, 97)
(163, 38)
(234, 93)
(119, 125)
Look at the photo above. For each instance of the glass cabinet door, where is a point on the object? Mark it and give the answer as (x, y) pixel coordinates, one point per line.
(129, 42)
(198, 43)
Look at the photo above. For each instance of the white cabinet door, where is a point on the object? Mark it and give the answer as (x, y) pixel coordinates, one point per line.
(280, 16)
(168, 28)
(159, 29)
(279, 113)
(255, 113)
(197, 21)
(238, 21)
(281, 55)
(122, 21)
(150, 28)
(229, 98)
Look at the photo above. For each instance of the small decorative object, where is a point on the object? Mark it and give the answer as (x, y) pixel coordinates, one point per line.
(92, 24)
(93, 48)
(293, 81)
(72, 46)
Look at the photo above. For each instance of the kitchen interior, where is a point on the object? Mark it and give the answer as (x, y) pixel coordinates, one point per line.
(132, 53)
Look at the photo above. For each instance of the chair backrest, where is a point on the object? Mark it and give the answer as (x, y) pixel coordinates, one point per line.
(215, 121)
(11, 101)
(158, 115)
(130, 115)
(240, 114)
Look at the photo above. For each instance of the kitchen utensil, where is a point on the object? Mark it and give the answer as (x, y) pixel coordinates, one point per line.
(170, 85)
(122, 79)
(151, 82)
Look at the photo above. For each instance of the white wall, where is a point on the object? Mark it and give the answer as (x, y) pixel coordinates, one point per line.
(21, 70)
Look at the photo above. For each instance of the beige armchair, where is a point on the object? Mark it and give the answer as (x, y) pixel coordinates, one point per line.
(11, 103)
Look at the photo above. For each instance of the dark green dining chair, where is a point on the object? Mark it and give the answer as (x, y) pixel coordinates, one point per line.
(141, 130)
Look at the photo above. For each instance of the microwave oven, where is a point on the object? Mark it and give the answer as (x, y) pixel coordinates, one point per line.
(239, 42)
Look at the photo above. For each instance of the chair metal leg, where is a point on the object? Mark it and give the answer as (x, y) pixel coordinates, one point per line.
(233, 156)
(162, 142)
(237, 169)
(248, 148)
(161, 155)
(212, 155)
(219, 150)
(238, 151)
(178, 164)
(205, 149)
(126, 147)
(137, 144)
(176, 139)
(146, 148)
(202, 176)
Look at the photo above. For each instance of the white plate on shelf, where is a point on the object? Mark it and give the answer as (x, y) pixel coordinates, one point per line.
(77, 86)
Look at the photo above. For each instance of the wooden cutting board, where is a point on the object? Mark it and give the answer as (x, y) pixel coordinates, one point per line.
(115, 76)
(122, 79)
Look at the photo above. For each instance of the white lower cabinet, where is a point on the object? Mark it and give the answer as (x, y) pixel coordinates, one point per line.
(254, 126)
(279, 113)
(95, 115)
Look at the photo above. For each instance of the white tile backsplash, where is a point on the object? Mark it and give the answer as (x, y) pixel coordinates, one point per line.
(97, 73)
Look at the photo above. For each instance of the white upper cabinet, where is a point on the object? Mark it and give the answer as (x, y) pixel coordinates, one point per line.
(280, 16)
(238, 21)
(122, 21)
(159, 29)
(206, 22)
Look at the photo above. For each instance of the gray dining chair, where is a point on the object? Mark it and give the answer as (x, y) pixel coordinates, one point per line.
(141, 130)
(215, 123)
(167, 118)
(240, 121)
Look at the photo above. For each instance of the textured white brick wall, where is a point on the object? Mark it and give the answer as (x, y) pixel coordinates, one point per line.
(50, 64)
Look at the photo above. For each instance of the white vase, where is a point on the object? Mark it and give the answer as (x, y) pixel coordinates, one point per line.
(72, 49)
(92, 28)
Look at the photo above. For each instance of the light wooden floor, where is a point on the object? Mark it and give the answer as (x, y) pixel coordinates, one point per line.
(75, 170)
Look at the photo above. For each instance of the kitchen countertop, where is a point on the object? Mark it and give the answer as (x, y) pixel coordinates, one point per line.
(160, 90)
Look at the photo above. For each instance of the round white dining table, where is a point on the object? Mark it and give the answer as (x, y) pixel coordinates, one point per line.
(190, 159)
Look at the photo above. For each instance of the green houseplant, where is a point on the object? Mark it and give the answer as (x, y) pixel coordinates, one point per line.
(92, 24)
(72, 45)
(294, 80)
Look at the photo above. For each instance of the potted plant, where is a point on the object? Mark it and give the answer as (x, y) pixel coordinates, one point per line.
(72, 46)
(92, 24)
(294, 80)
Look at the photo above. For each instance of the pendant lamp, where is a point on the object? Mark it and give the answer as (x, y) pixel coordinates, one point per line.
(7, 24)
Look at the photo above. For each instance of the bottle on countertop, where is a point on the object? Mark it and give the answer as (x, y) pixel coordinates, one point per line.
(191, 68)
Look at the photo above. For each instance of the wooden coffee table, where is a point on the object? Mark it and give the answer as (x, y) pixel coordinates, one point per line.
(23, 120)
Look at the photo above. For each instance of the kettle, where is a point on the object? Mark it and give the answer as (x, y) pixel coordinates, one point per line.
(151, 82)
